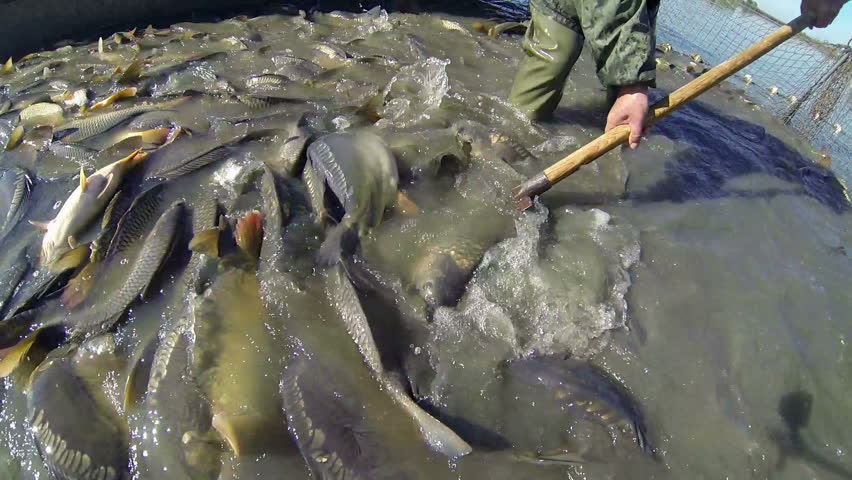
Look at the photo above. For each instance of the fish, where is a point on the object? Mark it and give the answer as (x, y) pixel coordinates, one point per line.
(78, 432)
(13, 273)
(191, 154)
(304, 301)
(87, 127)
(151, 257)
(82, 206)
(482, 143)
(124, 223)
(41, 114)
(442, 273)
(361, 171)
(186, 449)
(19, 186)
(581, 387)
(773, 90)
(508, 27)
(232, 338)
(148, 138)
(290, 157)
(341, 423)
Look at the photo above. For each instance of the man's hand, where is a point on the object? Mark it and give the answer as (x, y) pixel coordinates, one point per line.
(630, 108)
(824, 11)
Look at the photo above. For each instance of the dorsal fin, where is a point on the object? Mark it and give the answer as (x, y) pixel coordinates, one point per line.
(82, 179)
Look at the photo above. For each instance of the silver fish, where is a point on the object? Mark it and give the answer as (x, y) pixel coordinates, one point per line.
(583, 388)
(361, 171)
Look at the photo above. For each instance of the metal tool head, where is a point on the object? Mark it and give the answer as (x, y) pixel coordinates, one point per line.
(524, 193)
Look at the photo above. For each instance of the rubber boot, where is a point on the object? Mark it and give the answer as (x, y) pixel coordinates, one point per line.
(551, 51)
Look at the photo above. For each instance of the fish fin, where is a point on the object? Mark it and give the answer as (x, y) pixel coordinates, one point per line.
(249, 234)
(238, 432)
(82, 179)
(78, 288)
(15, 355)
(43, 226)
(206, 242)
(340, 241)
(72, 242)
(132, 73)
(642, 440)
(404, 205)
(126, 93)
(136, 384)
(370, 109)
(8, 67)
(15, 138)
(558, 456)
(134, 157)
(157, 136)
(439, 437)
(72, 259)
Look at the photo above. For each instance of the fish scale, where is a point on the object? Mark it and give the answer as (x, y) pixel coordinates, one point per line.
(22, 189)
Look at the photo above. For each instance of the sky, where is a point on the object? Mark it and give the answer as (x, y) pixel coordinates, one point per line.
(838, 32)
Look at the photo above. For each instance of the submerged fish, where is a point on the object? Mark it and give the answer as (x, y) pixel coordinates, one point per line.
(234, 352)
(79, 130)
(361, 171)
(332, 350)
(79, 433)
(583, 388)
(82, 206)
(185, 449)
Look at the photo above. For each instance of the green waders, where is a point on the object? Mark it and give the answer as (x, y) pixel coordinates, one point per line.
(620, 34)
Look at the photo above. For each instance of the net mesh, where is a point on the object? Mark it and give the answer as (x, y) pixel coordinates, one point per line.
(805, 83)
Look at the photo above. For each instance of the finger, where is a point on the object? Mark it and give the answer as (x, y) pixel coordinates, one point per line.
(635, 132)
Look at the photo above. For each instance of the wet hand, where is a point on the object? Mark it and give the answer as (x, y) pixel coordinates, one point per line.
(630, 108)
(823, 11)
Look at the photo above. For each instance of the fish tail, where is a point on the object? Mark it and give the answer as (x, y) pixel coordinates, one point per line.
(250, 234)
(440, 437)
(17, 354)
(642, 440)
(340, 241)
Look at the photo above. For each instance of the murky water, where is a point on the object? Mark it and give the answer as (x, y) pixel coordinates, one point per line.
(706, 271)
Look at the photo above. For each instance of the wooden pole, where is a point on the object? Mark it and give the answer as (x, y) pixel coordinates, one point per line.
(618, 135)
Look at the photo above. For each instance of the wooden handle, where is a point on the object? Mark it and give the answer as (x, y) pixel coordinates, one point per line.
(711, 78)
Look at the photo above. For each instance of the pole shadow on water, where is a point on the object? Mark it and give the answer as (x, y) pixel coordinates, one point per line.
(715, 148)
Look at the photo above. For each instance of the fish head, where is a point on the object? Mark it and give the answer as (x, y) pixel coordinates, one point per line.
(439, 279)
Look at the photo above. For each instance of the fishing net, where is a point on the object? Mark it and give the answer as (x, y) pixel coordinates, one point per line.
(805, 83)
